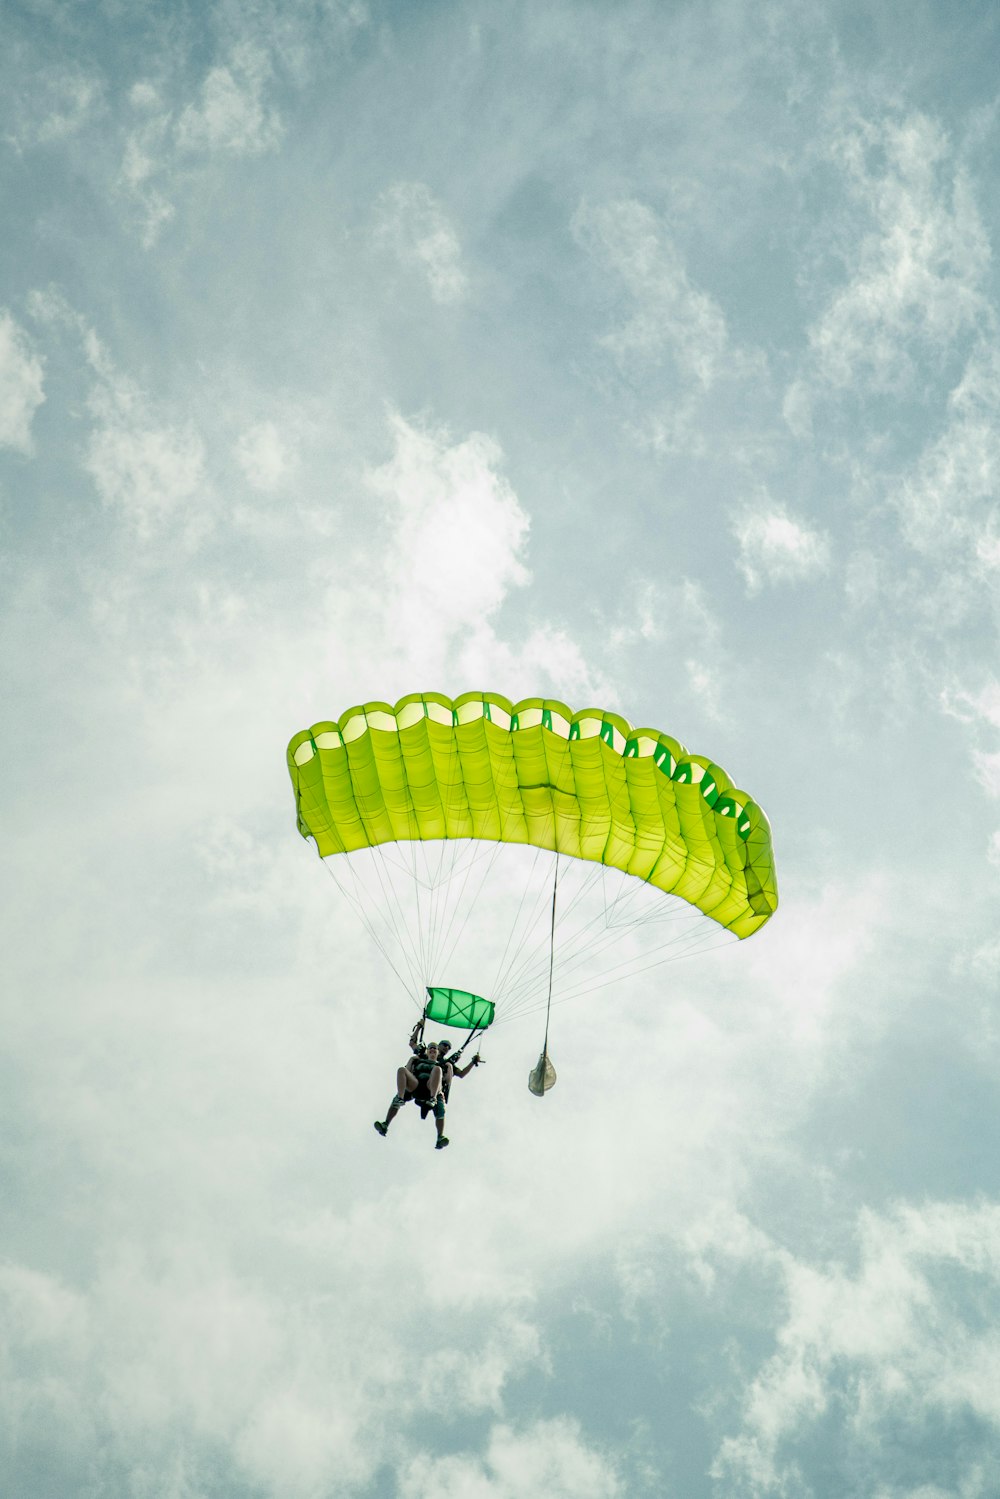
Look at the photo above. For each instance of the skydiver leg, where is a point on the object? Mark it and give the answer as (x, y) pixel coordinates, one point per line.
(382, 1125)
(406, 1086)
(406, 1082)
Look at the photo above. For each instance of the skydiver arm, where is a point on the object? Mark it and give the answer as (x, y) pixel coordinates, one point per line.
(463, 1071)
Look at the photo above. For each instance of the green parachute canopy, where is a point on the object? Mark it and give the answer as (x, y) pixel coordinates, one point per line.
(585, 784)
(469, 1012)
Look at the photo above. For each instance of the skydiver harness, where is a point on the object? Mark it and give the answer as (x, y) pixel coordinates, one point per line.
(422, 1067)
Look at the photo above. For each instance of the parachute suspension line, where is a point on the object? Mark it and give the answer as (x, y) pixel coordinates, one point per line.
(614, 976)
(392, 913)
(694, 940)
(415, 842)
(552, 954)
(515, 963)
(575, 948)
(396, 914)
(433, 905)
(361, 903)
(447, 903)
(517, 916)
(358, 905)
(416, 848)
(527, 966)
(500, 981)
(583, 944)
(534, 959)
(452, 942)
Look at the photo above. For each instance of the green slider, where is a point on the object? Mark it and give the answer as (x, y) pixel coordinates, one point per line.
(455, 1007)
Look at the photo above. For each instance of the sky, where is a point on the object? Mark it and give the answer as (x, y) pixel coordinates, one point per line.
(644, 356)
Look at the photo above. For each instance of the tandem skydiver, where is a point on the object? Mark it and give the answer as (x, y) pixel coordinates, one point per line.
(426, 1078)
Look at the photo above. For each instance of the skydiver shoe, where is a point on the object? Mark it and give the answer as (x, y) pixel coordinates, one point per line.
(383, 1129)
(442, 1141)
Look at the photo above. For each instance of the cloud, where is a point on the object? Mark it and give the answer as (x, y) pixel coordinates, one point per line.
(455, 550)
(917, 272)
(987, 768)
(948, 499)
(229, 119)
(263, 456)
(414, 226)
(21, 385)
(293, 1394)
(672, 317)
(707, 688)
(776, 548)
(978, 710)
(152, 473)
(61, 101)
(548, 1457)
(907, 1338)
(973, 707)
(149, 470)
(230, 116)
(146, 157)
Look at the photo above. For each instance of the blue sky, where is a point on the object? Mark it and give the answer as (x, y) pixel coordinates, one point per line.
(639, 355)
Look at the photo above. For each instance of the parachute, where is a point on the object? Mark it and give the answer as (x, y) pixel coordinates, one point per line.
(389, 783)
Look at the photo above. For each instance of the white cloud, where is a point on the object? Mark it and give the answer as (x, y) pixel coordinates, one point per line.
(973, 707)
(61, 101)
(458, 536)
(776, 548)
(460, 531)
(549, 1457)
(706, 687)
(988, 552)
(671, 316)
(978, 709)
(987, 768)
(21, 385)
(294, 1392)
(888, 1345)
(949, 497)
(678, 613)
(151, 472)
(146, 157)
(413, 224)
(263, 456)
(919, 268)
(231, 116)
